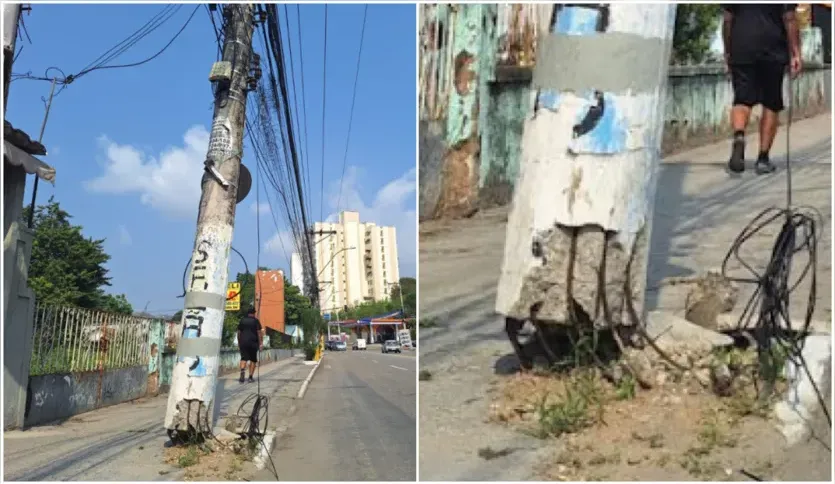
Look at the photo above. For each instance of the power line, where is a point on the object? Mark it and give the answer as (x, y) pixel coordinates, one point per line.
(111, 54)
(351, 115)
(304, 99)
(324, 85)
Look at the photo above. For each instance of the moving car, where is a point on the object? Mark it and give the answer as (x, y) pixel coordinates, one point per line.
(359, 345)
(339, 346)
(391, 346)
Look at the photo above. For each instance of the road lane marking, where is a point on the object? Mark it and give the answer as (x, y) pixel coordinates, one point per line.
(399, 368)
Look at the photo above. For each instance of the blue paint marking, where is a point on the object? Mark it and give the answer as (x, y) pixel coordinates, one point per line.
(609, 134)
(576, 21)
(200, 370)
(549, 99)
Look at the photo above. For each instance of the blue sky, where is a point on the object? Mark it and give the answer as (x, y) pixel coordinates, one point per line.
(128, 144)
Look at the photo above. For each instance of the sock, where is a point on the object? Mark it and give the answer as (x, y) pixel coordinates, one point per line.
(739, 135)
(763, 156)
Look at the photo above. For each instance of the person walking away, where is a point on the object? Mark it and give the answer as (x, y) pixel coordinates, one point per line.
(250, 341)
(760, 40)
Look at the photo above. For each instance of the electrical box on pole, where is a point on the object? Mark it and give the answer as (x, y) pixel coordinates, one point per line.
(194, 378)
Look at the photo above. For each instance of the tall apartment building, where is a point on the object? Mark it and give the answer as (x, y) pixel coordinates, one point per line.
(355, 262)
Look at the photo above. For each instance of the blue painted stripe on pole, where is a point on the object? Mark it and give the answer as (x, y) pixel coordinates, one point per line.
(576, 20)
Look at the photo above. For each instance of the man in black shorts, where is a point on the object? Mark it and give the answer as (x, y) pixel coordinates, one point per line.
(250, 340)
(761, 40)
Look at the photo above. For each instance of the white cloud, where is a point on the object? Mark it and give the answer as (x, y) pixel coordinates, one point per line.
(281, 244)
(169, 182)
(124, 236)
(263, 208)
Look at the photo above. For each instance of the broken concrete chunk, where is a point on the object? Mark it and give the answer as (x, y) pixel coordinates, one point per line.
(671, 332)
(711, 296)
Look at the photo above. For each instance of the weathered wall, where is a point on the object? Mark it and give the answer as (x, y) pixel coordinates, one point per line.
(431, 154)
(698, 99)
(18, 301)
(59, 396)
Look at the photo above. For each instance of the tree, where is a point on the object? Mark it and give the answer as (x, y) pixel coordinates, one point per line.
(409, 286)
(67, 268)
(694, 30)
(114, 304)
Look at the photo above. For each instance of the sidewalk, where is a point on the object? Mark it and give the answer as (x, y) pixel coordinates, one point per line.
(126, 442)
(699, 210)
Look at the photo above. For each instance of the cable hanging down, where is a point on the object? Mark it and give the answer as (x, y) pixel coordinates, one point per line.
(768, 311)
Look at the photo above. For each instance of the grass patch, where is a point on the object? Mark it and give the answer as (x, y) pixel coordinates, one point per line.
(189, 458)
(428, 323)
(580, 406)
(424, 375)
(626, 388)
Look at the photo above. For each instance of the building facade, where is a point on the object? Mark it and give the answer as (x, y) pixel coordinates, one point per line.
(355, 261)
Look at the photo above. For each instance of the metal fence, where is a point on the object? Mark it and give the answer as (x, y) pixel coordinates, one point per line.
(69, 340)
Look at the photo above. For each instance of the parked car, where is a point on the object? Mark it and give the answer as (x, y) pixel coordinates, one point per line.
(391, 346)
(340, 346)
(359, 345)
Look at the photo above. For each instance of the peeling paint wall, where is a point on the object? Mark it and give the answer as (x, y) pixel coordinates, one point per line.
(697, 106)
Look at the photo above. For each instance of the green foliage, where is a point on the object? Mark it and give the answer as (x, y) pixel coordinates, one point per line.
(694, 30)
(114, 304)
(68, 269)
(409, 286)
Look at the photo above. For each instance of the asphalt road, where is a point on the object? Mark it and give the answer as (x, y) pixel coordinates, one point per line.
(356, 422)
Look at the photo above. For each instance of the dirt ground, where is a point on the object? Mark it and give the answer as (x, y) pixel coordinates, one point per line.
(213, 461)
(678, 432)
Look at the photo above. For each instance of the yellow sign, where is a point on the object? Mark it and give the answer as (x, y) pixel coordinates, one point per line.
(233, 296)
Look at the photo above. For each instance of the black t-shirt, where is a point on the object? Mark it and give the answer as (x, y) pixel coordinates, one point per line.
(249, 329)
(758, 32)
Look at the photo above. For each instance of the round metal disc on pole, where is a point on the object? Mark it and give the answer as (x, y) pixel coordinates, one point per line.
(244, 183)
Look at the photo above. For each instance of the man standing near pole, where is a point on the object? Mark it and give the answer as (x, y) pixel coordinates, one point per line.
(195, 373)
(250, 342)
(760, 41)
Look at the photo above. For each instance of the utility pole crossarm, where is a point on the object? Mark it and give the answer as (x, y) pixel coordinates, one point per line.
(195, 371)
(582, 209)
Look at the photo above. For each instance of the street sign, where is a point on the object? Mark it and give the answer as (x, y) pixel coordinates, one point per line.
(233, 296)
(405, 337)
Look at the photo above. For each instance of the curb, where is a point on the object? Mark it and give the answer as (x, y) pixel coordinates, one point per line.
(306, 382)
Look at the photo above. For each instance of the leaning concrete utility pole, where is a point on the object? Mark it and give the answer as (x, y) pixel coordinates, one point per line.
(579, 228)
(194, 378)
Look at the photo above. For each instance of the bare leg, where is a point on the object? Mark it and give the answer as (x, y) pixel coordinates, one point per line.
(739, 119)
(768, 130)
(243, 369)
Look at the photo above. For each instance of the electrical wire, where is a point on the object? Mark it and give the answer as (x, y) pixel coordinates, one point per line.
(351, 115)
(324, 99)
(770, 302)
(111, 54)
